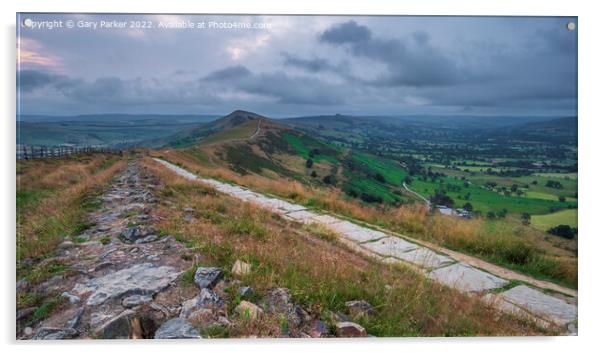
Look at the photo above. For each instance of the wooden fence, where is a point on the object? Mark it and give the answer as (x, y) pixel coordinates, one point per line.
(33, 152)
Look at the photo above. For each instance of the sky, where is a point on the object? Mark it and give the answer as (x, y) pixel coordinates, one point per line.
(285, 66)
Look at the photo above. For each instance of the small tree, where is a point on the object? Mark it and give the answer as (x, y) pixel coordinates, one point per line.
(526, 218)
(407, 180)
(314, 174)
(561, 198)
(467, 207)
(379, 177)
(309, 163)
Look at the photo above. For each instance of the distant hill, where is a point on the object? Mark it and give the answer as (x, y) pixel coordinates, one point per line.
(119, 118)
(557, 131)
(116, 130)
(273, 149)
(194, 135)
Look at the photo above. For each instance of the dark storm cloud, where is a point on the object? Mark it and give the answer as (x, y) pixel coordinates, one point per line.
(410, 61)
(113, 91)
(277, 85)
(348, 32)
(228, 73)
(311, 65)
(31, 80)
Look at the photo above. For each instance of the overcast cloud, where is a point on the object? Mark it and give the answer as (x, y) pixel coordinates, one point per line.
(302, 65)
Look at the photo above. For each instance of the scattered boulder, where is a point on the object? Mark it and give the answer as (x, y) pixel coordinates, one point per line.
(135, 300)
(241, 268)
(246, 292)
(350, 329)
(119, 326)
(206, 298)
(207, 277)
(132, 233)
(137, 232)
(248, 311)
(359, 308)
(177, 328)
(54, 333)
(280, 301)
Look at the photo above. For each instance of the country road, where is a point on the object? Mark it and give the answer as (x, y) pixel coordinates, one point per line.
(452, 269)
(428, 203)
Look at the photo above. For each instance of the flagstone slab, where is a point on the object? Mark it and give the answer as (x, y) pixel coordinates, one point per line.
(302, 216)
(426, 258)
(541, 304)
(356, 233)
(390, 246)
(466, 278)
(326, 219)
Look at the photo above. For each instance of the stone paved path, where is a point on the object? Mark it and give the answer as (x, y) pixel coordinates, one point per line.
(124, 270)
(390, 248)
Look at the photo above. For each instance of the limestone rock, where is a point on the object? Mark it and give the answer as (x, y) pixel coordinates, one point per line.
(135, 300)
(177, 328)
(248, 310)
(241, 268)
(76, 319)
(246, 292)
(350, 329)
(207, 277)
(54, 333)
(359, 308)
(119, 326)
(142, 279)
(206, 298)
(318, 329)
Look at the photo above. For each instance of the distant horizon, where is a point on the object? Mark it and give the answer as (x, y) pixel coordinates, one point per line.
(456, 115)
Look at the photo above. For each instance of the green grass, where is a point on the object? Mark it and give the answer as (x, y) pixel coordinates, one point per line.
(304, 144)
(545, 222)
(26, 198)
